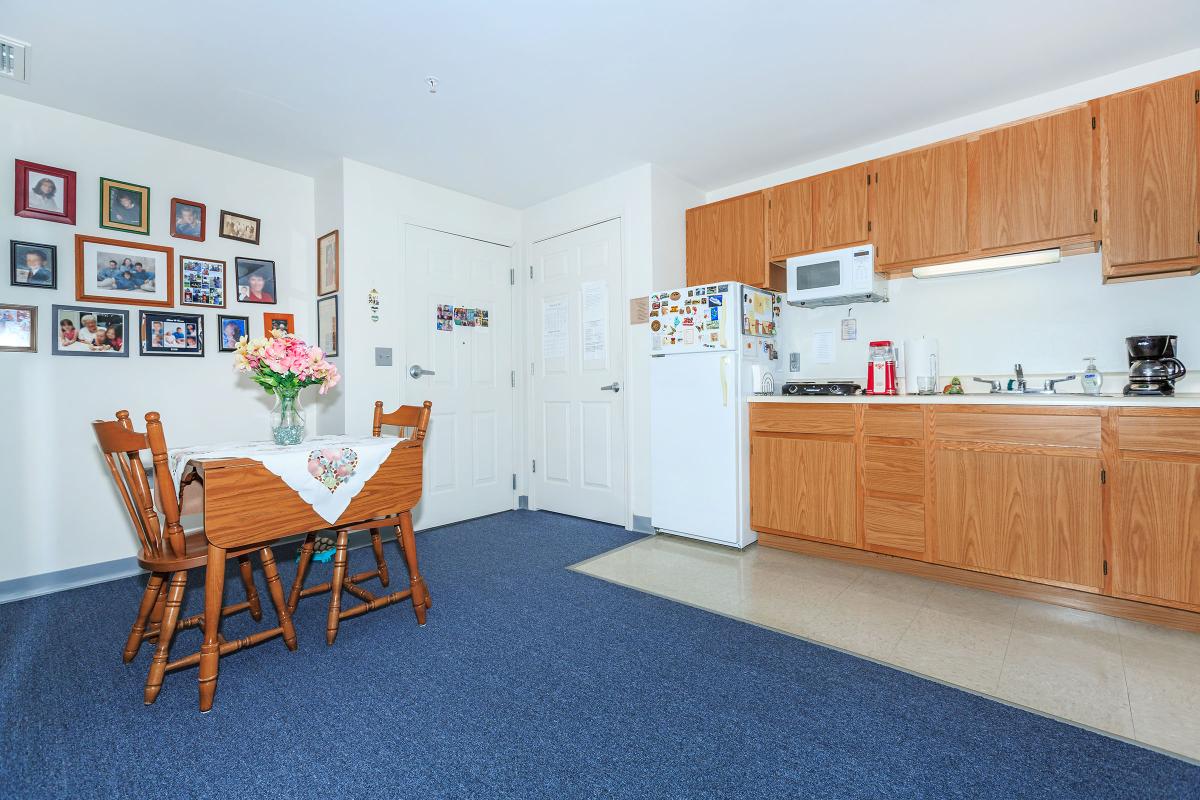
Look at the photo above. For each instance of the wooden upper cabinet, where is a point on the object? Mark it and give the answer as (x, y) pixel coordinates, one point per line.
(921, 204)
(840, 207)
(1149, 213)
(1034, 182)
(790, 219)
(727, 241)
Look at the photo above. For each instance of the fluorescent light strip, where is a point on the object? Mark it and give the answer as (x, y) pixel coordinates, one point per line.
(1013, 261)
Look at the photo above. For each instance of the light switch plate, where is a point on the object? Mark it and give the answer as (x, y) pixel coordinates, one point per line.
(793, 362)
(383, 356)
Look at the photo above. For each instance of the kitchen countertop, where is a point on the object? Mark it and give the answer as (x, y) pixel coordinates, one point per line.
(1178, 401)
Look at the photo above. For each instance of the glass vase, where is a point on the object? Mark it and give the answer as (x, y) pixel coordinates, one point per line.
(288, 423)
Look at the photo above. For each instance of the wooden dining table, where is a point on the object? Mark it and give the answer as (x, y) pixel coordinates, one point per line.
(246, 504)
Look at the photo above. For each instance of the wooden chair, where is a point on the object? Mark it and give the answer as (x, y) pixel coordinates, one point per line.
(415, 418)
(169, 553)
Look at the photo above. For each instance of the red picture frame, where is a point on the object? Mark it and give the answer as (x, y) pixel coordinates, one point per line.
(22, 204)
(178, 201)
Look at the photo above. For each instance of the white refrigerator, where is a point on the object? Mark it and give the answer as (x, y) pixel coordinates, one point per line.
(710, 348)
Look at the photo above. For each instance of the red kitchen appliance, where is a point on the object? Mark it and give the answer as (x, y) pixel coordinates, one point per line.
(881, 369)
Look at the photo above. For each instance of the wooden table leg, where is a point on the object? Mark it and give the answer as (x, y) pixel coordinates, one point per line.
(409, 546)
(275, 588)
(335, 589)
(248, 582)
(380, 562)
(210, 651)
(306, 554)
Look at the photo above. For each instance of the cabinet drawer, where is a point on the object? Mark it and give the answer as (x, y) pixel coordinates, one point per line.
(895, 524)
(902, 422)
(837, 420)
(1044, 430)
(896, 470)
(1160, 434)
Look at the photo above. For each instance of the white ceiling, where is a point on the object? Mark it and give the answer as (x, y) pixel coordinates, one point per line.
(538, 97)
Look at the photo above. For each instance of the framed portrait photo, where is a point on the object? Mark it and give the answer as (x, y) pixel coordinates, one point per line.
(255, 280)
(327, 263)
(171, 333)
(240, 227)
(201, 282)
(327, 324)
(90, 331)
(124, 206)
(44, 192)
(274, 321)
(18, 328)
(187, 219)
(34, 265)
(231, 329)
(128, 273)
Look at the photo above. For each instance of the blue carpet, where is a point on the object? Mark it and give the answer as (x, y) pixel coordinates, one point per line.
(529, 681)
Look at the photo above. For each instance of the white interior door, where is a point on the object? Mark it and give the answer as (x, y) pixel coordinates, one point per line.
(578, 425)
(469, 447)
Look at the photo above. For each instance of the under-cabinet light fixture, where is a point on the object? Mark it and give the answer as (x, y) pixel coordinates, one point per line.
(1012, 261)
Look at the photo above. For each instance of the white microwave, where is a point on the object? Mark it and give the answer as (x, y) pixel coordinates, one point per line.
(835, 277)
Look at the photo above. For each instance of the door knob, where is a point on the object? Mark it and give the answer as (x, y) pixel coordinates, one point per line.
(612, 387)
(416, 372)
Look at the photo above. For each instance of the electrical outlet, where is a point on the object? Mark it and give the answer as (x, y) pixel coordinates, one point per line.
(793, 362)
(383, 356)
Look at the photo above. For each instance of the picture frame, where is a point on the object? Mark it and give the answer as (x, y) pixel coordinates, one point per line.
(189, 219)
(25, 269)
(240, 227)
(124, 206)
(328, 263)
(78, 329)
(274, 320)
(327, 324)
(123, 273)
(18, 328)
(170, 333)
(44, 192)
(250, 289)
(202, 282)
(229, 338)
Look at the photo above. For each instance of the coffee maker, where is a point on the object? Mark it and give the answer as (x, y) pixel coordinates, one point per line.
(1153, 367)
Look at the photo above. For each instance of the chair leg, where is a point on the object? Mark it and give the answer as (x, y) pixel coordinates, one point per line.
(156, 613)
(251, 592)
(414, 574)
(380, 562)
(275, 589)
(306, 554)
(210, 650)
(158, 666)
(335, 588)
(149, 598)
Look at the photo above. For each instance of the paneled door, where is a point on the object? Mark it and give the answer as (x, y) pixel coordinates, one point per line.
(921, 204)
(578, 398)
(469, 455)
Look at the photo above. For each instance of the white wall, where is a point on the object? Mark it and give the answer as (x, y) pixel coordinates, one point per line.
(60, 507)
(328, 214)
(650, 204)
(1046, 318)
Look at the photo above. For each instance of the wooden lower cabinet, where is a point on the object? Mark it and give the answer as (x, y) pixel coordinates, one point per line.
(803, 487)
(1156, 542)
(1022, 515)
(890, 523)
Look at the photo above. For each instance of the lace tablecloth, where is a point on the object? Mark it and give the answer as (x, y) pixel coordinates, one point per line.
(326, 471)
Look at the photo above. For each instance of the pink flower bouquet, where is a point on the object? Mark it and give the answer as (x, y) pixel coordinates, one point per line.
(283, 363)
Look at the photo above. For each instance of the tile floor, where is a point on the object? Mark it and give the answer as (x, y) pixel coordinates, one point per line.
(1137, 681)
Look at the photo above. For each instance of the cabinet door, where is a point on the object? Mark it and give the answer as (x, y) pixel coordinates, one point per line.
(804, 487)
(789, 215)
(1156, 543)
(1033, 516)
(727, 241)
(1148, 179)
(921, 204)
(1035, 181)
(840, 207)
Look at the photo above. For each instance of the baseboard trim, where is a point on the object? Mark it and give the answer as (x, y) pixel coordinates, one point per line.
(523, 502)
(72, 578)
(1058, 595)
(641, 525)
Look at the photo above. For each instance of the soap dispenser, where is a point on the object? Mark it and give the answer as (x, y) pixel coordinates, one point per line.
(1092, 378)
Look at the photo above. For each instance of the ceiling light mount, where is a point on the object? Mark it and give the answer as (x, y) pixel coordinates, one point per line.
(433, 83)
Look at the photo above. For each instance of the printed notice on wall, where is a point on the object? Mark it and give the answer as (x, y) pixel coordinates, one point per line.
(554, 328)
(822, 347)
(594, 317)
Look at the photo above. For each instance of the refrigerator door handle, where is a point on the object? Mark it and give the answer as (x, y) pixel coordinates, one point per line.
(724, 382)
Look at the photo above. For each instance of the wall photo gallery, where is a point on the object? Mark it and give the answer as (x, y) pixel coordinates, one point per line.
(34, 265)
(90, 331)
(112, 271)
(255, 280)
(170, 333)
(201, 282)
(44, 192)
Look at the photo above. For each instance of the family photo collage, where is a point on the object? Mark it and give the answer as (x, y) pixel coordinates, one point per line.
(117, 271)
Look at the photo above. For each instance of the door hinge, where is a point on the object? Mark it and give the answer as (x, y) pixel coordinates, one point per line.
(868, 179)
(530, 367)
(868, 226)
(514, 481)
(1106, 566)
(1198, 95)
(1104, 476)
(876, 178)
(512, 276)
(535, 465)
(514, 379)
(531, 272)
(1093, 123)
(1095, 215)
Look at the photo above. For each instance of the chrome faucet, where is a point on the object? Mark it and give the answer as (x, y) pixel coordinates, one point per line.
(1020, 377)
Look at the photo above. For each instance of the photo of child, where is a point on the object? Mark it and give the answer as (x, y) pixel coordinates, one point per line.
(89, 331)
